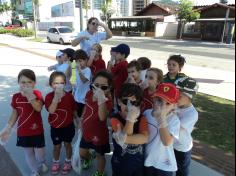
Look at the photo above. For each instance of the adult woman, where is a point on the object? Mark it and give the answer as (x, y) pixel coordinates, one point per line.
(90, 36)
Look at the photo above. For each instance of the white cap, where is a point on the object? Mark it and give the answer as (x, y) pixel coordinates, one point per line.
(59, 53)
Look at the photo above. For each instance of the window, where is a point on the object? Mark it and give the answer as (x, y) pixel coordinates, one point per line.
(65, 30)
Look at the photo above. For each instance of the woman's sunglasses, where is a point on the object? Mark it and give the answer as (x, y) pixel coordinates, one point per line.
(94, 24)
(103, 87)
(134, 103)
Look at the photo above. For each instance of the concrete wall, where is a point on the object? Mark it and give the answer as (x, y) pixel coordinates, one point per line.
(166, 30)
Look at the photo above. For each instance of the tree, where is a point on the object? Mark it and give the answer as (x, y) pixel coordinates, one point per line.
(186, 14)
(169, 2)
(107, 11)
(35, 4)
(4, 8)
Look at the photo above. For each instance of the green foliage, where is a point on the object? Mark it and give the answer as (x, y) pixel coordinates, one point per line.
(169, 2)
(4, 8)
(107, 11)
(18, 32)
(186, 11)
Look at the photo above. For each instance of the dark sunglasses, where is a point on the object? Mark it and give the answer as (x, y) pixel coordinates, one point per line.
(103, 87)
(93, 23)
(134, 103)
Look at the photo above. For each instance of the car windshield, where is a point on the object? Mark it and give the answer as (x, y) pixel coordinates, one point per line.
(65, 30)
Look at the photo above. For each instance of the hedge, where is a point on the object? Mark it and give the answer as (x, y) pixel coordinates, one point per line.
(18, 32)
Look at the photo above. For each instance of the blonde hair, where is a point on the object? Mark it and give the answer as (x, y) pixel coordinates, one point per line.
(98, 47)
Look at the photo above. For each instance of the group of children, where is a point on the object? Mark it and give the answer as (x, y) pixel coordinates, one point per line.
(151, 114)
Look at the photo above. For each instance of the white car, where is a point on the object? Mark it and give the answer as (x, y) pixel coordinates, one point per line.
(61, 34)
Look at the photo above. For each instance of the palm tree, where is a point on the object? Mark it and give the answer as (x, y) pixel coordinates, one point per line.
(106, 10)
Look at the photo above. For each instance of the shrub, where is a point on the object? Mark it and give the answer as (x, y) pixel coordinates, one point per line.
(18, 32)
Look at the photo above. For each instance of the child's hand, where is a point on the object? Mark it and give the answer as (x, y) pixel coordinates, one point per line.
(99, 95)
(51, 68)
(93, 54)
(78, 66)
(28, 92)
(131, 79)
(133, 112)
(161, 114)
(5, 134)
(120, 137)
(58, 93)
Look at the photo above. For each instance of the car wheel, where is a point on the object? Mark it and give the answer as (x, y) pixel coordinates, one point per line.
(61, 41)
(49, 40)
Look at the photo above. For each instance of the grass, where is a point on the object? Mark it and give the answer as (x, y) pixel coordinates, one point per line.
(36, 39)
(216, 124)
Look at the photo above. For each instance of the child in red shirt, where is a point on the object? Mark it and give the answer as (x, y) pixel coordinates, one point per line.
(154, 77)
(119, 67)
(95, 133)
(134, 71)
(62, 108)
(26, 111)
(95, 62)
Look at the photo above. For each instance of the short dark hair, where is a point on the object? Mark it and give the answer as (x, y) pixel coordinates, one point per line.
(144, 62)
(179, 59)
(131, 89)
(135, 64)
(80, 54)
(27, 73)
(104, 74)
(56, 74)
(159, 73)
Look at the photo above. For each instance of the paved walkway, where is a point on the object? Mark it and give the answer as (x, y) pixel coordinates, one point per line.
(42, 53)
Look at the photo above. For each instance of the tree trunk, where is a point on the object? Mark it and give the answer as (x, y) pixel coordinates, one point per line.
(180, 29)
(35, 21)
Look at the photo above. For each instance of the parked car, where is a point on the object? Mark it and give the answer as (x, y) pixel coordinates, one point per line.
(61, 34)
(10, 27)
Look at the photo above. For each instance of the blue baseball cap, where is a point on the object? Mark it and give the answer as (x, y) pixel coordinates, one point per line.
(122, 48)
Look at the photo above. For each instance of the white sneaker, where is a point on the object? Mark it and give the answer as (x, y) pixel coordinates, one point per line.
(34, 174)
(43, 168)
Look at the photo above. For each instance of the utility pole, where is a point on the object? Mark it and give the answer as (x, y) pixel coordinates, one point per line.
(225, 24)
(81, 15)
(35, 19)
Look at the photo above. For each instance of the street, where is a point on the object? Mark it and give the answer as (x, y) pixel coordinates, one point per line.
(216, 76)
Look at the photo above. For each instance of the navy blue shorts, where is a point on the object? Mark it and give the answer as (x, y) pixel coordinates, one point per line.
(151, 171)
(80, 108)
(66, 134)
(31, 141)
(99, 149)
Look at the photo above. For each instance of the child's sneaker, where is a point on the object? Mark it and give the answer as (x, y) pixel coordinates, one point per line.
(34, 174)
(55, 168)
(66, 167)
(43, 168)
(97, 173)
(87, 164)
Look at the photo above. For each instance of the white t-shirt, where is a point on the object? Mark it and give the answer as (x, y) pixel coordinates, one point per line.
(157, 155)
(188, 118)
(97, 37)
(63, 68)
(81, 88)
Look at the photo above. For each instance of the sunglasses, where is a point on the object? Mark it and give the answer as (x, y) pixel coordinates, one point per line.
(94, 24)
(134, 103)
(103, 87)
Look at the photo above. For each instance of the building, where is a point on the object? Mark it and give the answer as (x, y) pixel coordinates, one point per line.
(216, 22)
(139, 5)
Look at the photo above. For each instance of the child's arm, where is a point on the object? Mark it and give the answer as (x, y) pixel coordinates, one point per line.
(6, 132)
(166, 138)
(37, 105)
(137, 138)
(32, 99)
(91, 58)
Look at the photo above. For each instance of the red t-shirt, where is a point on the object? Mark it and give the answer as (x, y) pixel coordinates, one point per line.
(147, 102)
(94, 130)
(98, 65)
(120, 74)
(29, 121)
(64, 114)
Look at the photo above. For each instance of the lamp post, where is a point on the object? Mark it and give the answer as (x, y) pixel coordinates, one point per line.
(81, 15)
